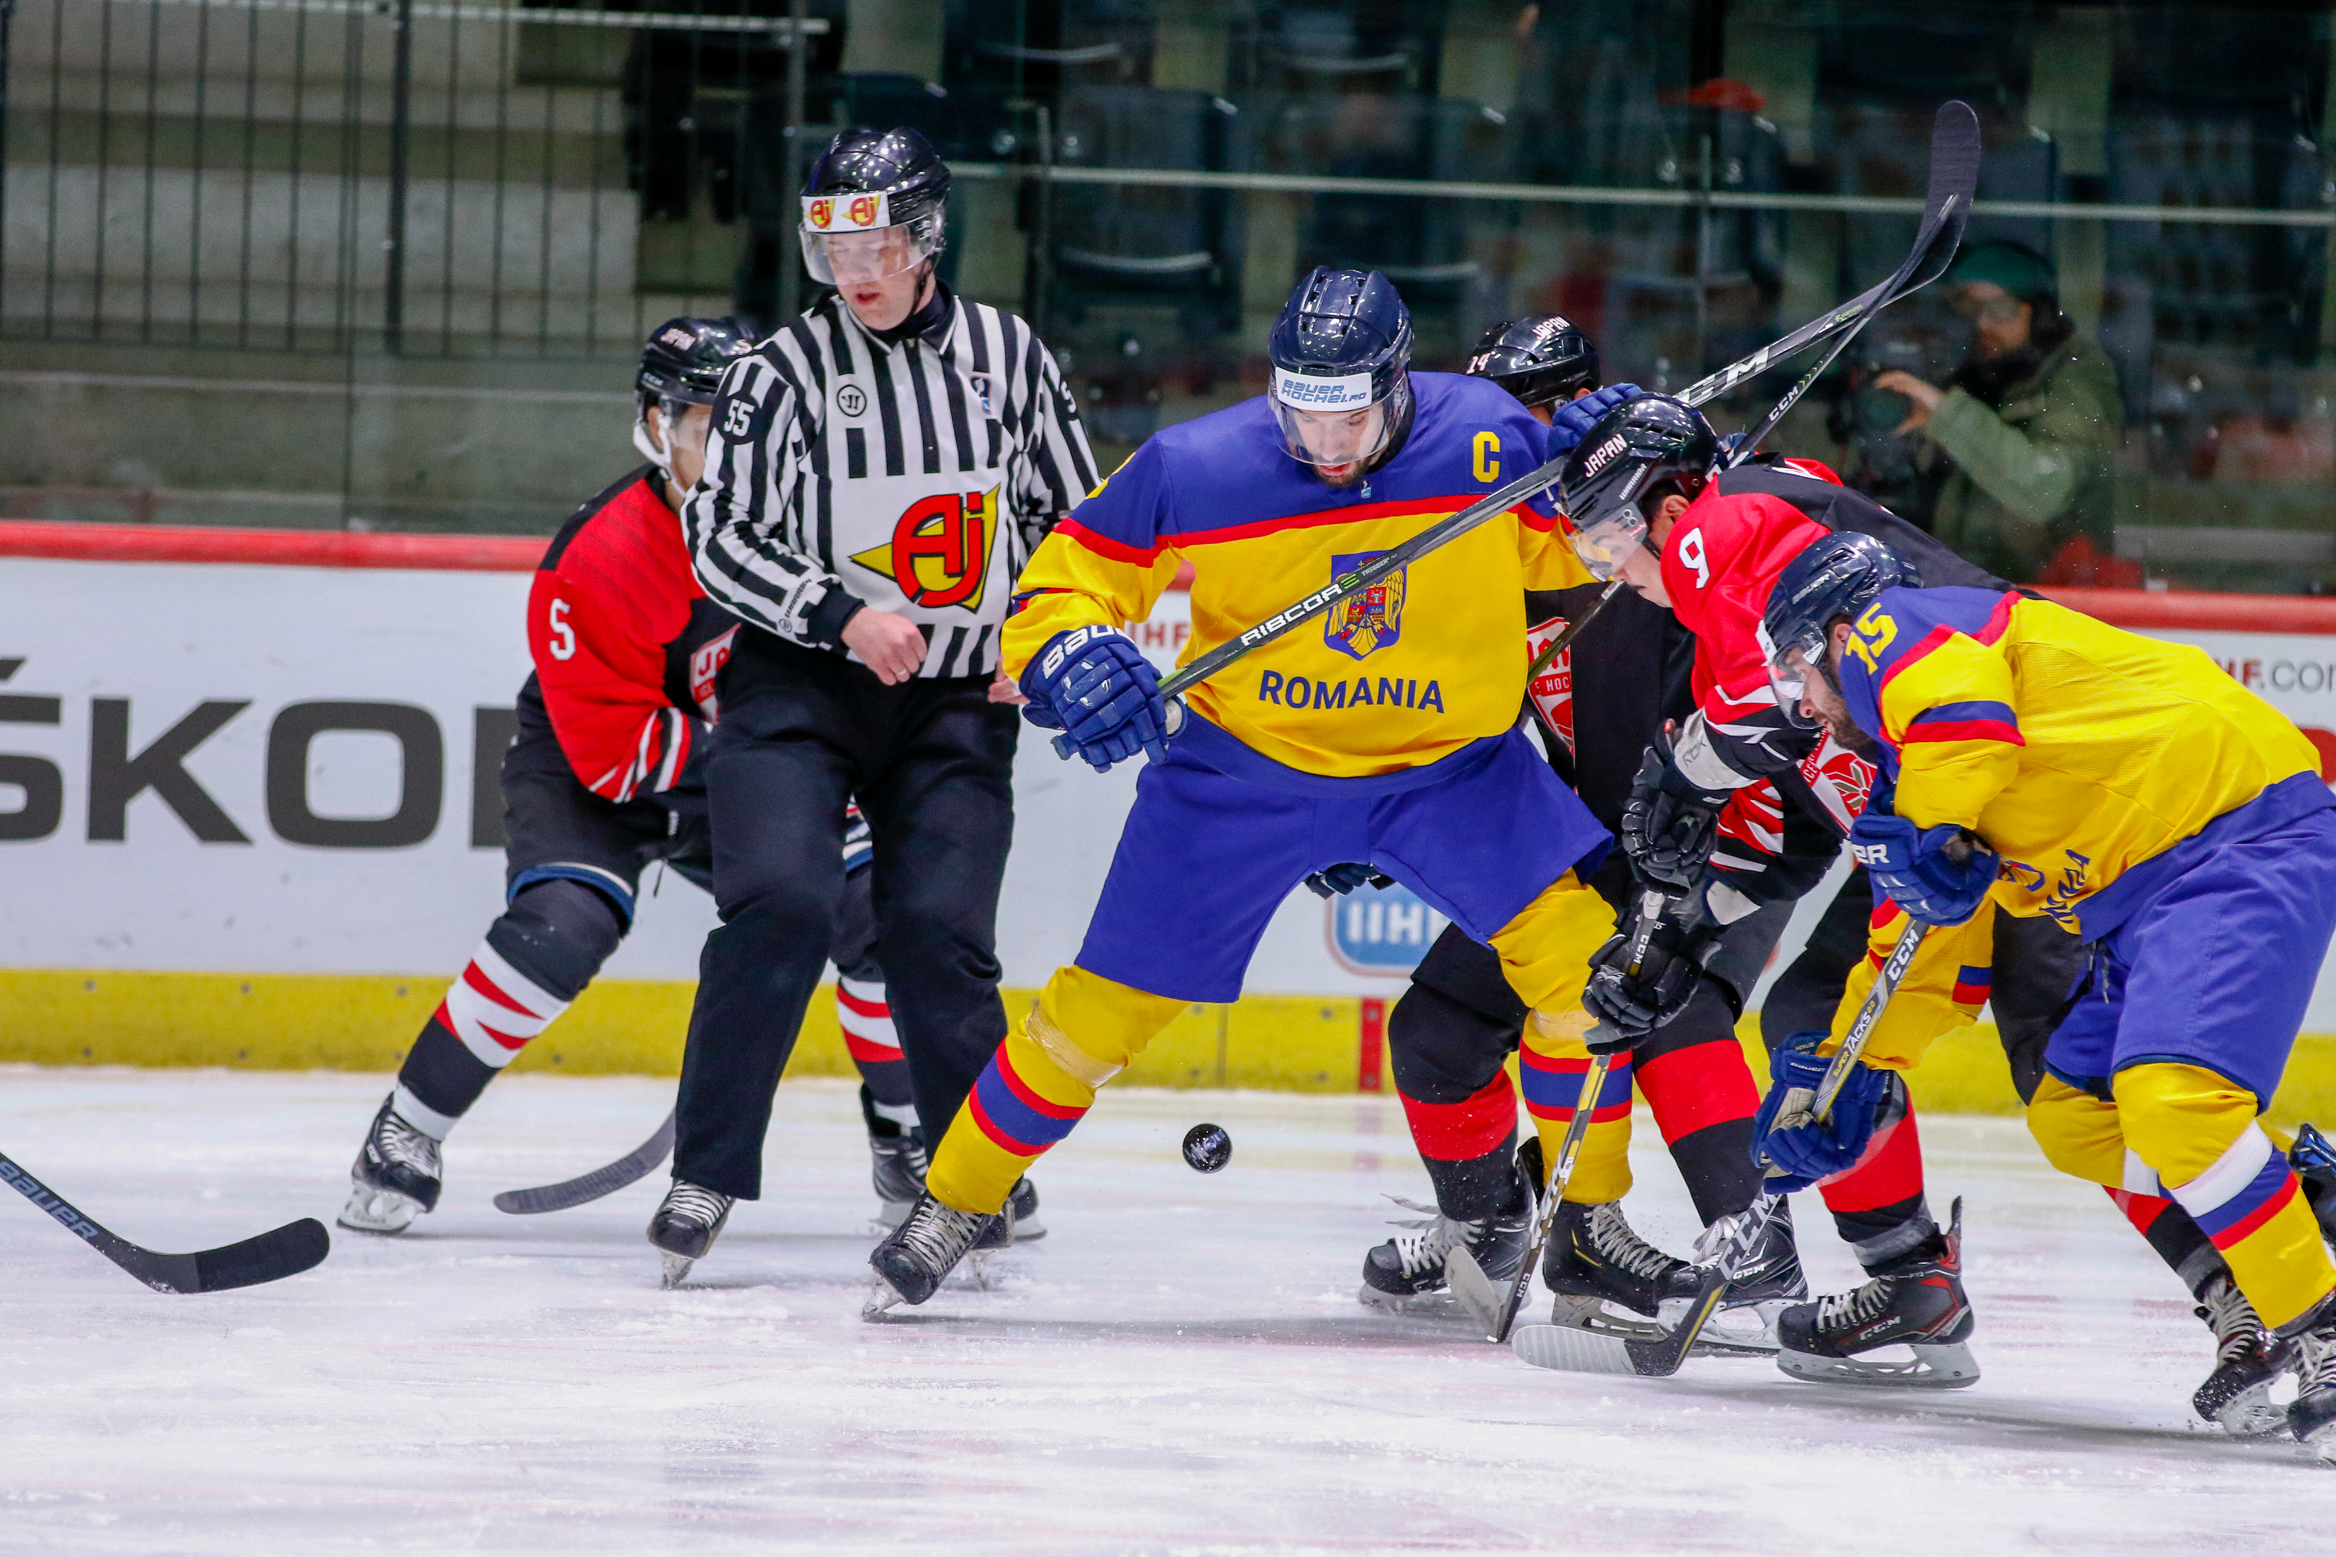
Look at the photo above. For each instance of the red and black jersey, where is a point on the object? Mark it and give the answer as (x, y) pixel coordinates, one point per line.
(1719, 564)
(626, 648)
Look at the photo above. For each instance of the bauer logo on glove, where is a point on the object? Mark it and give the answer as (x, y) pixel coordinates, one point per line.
(1094, 685)
(1939, 875)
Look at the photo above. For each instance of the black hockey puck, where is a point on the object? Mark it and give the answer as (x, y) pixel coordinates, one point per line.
(1207, 1147)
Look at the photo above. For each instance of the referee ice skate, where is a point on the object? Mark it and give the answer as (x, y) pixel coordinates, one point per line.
(877, 472)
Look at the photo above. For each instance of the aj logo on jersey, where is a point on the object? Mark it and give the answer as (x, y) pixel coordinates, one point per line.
(940, 549)
(1371, 620)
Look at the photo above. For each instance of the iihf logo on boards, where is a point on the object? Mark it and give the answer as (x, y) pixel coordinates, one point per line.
(1381, 930)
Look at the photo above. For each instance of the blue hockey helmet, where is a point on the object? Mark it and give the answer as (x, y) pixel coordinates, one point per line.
(1341, 355)
(1829, 580)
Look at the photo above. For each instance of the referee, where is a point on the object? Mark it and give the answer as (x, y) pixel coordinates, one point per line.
(877, 473)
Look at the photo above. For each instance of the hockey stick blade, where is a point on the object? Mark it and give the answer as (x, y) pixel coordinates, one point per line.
(273, 1255)
(631, 1168)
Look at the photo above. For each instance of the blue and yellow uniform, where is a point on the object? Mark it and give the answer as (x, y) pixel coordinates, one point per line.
(1387, 733)
(2149, 804)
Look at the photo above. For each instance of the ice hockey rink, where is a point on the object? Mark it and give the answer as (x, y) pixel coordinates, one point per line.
(1179, 1367)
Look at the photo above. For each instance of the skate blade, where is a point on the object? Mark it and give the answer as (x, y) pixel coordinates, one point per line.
(2323, 1443)
(2250, 1414)
(1028, 1229)
(373, 1210)
(1933, 1367)
(1435, 1304)
(1576, 1311)
(891, 1213)
(676, 1269)
(882, 1295)
(977, 1270)
(1570, 1350)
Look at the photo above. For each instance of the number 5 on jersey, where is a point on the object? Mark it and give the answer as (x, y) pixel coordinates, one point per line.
(563, 637)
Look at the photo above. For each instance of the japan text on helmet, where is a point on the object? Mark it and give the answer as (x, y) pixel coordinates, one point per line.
(1540, 361)
(874, 206)
(1643, 449)
(683, 366)
(1837, 577)
(1341, 355)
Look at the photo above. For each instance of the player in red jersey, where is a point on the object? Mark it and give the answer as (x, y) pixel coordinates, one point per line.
(605, 777)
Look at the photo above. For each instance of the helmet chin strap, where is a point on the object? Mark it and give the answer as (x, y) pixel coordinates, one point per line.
(662, 458)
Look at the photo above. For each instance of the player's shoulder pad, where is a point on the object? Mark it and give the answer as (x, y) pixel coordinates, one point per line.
(1905, 627)
(616, 495)
(1480, 428)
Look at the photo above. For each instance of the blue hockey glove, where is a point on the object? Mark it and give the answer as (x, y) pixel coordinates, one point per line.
(1339, 880)
(1573, 420)
(1813, 1152)
(1095, 685)
(1939, 875)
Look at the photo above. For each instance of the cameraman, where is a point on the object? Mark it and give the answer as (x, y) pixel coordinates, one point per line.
(2019, 440)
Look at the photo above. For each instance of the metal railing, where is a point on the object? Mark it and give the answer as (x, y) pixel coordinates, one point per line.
(304, 175)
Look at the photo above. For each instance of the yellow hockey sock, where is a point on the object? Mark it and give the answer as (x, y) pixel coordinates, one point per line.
(1041, 1082)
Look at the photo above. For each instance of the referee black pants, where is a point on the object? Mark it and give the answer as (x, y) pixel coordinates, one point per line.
(931, 762)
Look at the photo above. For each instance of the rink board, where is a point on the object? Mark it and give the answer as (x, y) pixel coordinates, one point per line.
(248, 806)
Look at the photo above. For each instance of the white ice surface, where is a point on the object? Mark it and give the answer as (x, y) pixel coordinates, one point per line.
(1179, 1368)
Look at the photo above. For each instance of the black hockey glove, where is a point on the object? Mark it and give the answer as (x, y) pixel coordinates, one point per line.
(1631, 1007)
(1339, 880)
(1669, 825)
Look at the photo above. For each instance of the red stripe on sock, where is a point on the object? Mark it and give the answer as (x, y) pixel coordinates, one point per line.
(1029, 1095)
(2257, 1217)
(868, 1053)
(996, 1132)
(2141, 1210)
(1458, 1132)
(1699, 1086)
(870, 1008)
(1890, 1171)
(476, 977)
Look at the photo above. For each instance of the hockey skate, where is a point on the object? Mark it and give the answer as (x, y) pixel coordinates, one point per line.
(2314, 1159)
(1770, 1282)
(918, 1255)
(1405, 1275)
(2310, 1349)
(396, 1177)
(1027, 1228)
(687, 1222)
(897, 1167)
(1595, 1263)
(1914, 1301)
(2237, 1394)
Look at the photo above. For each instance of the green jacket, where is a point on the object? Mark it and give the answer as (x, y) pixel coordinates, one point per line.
(2020, 483)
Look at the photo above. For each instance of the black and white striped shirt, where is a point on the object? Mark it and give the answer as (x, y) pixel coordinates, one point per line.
(915, 477)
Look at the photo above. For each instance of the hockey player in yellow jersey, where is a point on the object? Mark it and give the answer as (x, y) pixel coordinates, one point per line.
(2140, 798)
(1387, 737)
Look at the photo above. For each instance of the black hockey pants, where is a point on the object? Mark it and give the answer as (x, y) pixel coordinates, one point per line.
(931, 763)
